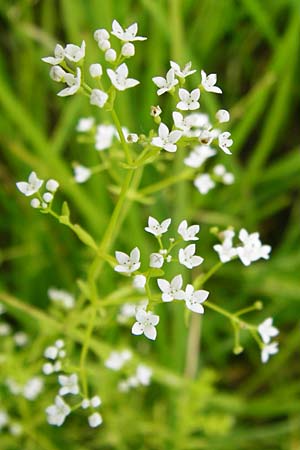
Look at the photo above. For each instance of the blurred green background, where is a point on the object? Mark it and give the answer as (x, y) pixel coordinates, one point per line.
(253, 46)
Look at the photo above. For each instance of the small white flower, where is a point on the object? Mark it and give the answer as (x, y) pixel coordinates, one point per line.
(225, 142)
(4, 419)
(127, 35)
(104, 136)
(86, 403)
(59, 54)
(69, 384)
(171, 291)
(128, 50)
(116, 360)
(57, 413)
(81, 173)
(95, 420)
(165, 84)
(75, 53)
(132, 138)
(208, 82)
(268, 350)
(188, 258)
(156, 260)
(223, 116)
(183, 123)
(193, 299)
(73, 83)
(119, 78)
(226, 250)
(155, 111)
(35, 203)
(228, 178)
(128, 264)
(98, 98)
(101, 35)
(219, 170)
(95, 70)
(185, 72)
(104, 45)
(85, 124)
(188, 100)
(156, 228)
(52, 185)
(110, 55)
(33, 388)
(188, 233)
(199, 155)
(21, 339)
(5, 329)
(267, 330)
(57, 74)
(32, 186)
(206, 137)
(96, 400)
(51, 352)
(62, 297)
(143, 374)
(252, 250)
(139, 282)
(204, 183)
(166, 139)
(48, 368)
(145, 324)
(48, 197)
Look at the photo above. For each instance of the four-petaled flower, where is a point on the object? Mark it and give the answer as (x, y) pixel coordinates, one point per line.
(268, 350)
(208, 82)
(171, 291)
(252, 250)
(31, 187)
(57, 413)
(188, 100)
(188, 233)
(185, 72)
(225, 142)
(199, 155)
(69, 384)
(166, 139)
(98, 98)
(156, 228)
(75, 53)
(145, 324)
(59, 54)
(226, 250)
(165, 84)
(204, 183)
(119, 78)
(128, 264)
(127, 35)
(188, 258)
(73, 83)
(193, 299)
(267, 330)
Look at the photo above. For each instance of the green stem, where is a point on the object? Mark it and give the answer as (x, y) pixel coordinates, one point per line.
(122, 137)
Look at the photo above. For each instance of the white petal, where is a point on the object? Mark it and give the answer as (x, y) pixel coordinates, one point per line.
(137, 329)
(150, 332)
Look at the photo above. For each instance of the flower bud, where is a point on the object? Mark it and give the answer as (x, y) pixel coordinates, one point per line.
(57, 73)
(52, 185)
(110, 55)
(128, 50)
(104, 45)
(95, 70)
(101, 35)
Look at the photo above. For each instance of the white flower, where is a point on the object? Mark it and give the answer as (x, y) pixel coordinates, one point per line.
(226, 250)
(156, 260)
(98, 98)
(48, 197)
(127, 35)
(193, 299)
(69, 384)
(104, 136)
(252, 250)
(205, 137)
(3, 418)
(155, 111)
(188, 233)
(33, 388)
(132, 138)
(143, 374)
(75, 53)
(204, 183)
(110, 55)
(222, 116)
(73, 83)
(5, 329)
(219, 170)
(165, 84)
(58, 412)
(128, 264)
(85, 124)
(52, 185)
(57, 74)
(32, 186)
(101, 35)
(128, 310)
(183, 123)
(21, 339)
(199, 155)
(139, 282)
(267, 330)
(228, 178)
(185, 72)
(208, 82)
(225, 142)
(59, 54)
(95, 420)
(128, 50)
(171, 291)
(156, 228)
(64, 298)
(35, 203)
(119, 78)
(188, 258)
(166, 139)
(95, 70)
(145, 324)
(268, 350)
(116, 360)
(81, 173)
(189, 100)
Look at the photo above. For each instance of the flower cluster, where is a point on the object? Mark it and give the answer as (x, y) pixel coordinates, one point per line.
(61, 298)
(33, 186)
(267, 331)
